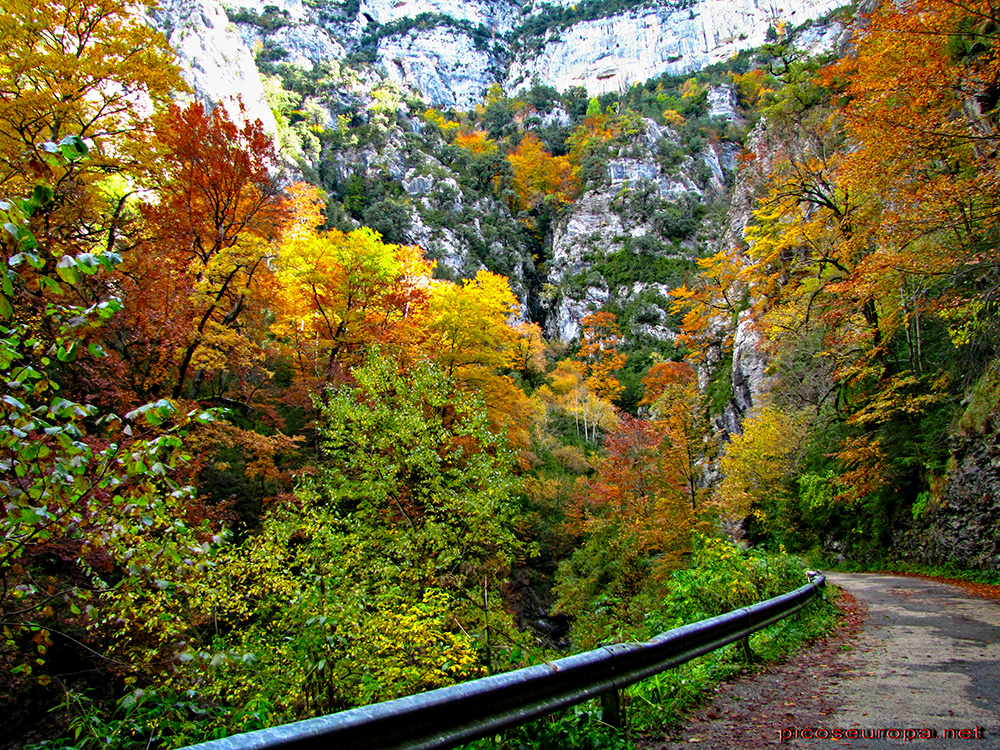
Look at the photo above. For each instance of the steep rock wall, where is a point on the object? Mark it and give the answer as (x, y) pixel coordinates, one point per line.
(610, 54)
(215, 62)
(443, 65)
(621, 224)
(962, 527)
(467, 47)
(498, 17)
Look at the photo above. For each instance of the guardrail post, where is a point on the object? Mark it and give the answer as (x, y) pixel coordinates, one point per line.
(611, 709)
(748, 654)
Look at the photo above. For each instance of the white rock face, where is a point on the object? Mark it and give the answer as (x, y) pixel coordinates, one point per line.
(587, 227)
(630, 173)
(594, 229)
(610, 54)
(307, 45)
(498, 17)
(442, 64)
(722, 103)
(445, 65)
(215, 61)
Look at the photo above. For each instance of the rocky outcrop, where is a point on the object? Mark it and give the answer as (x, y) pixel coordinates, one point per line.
(962, 526)
(443, 65)
(610, 54)
(215, 62)
(585, 230)
(497, 16)
(621, 224)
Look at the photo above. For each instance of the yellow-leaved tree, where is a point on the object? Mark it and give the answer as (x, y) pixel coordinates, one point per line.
(78, 68)
(758, 466)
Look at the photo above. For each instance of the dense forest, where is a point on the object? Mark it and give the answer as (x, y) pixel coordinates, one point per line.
(261, 458)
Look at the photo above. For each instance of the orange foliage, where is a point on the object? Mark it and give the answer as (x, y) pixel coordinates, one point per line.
(663, 375)
(599, 346)
(476, 142)
(593, 131)
(538, 175)
(468, 333)
(637, 503)
(341, 293)
(195, 292)
(710, 304)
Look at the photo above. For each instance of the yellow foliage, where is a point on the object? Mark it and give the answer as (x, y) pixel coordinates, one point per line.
(476, 142)
(757, 464)
(78, 67)
(468, 324)
(448, 128)
(673, 118)
(341, 292)
(539, 175)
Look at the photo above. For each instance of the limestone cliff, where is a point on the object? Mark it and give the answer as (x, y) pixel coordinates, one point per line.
(216, 63)
(610, 54)
(450, 53)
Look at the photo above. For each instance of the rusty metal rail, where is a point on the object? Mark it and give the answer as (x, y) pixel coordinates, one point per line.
(454, 715)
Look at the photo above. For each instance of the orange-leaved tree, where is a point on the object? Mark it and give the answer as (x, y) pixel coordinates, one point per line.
(93, 70)
(194, 325)
(671, 392)
(636, 523)
(470, 334)
(540, 176)
(600, 339)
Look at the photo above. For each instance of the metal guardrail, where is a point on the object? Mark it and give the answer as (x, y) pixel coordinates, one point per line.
(454, 715)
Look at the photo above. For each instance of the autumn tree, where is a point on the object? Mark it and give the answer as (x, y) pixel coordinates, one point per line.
(541, 177)
(96, 526)
(340, 293)
(77, 83)
(527, 354)
(470, 334)
(927, 137)
(758, 467)
(198, 289)
(469, 325)
(476, 142)
(599, 343)
(635, 522)
(711, 304)
(671, 393)
(568, 397)
(84, 69)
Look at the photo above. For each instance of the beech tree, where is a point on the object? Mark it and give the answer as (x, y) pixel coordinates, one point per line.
(671, 392)
(340, 293)
(93, 70)
(540, 176)
(635, 522)
(196, 291)
(95, 528)
(600, 339)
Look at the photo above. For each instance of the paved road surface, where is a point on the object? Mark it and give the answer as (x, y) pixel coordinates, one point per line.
(928, 658)
(915, 655)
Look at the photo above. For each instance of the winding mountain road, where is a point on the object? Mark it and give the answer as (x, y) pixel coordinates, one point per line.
(918, 665)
